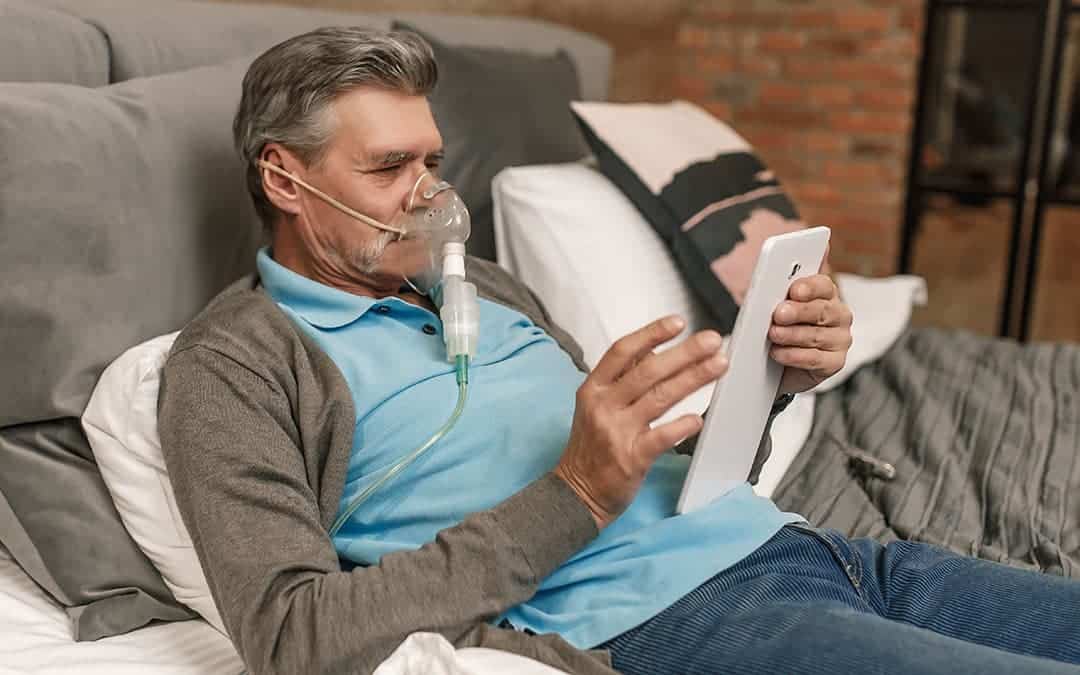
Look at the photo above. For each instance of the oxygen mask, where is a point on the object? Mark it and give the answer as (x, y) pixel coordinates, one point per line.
(437, 220)
(437, 217)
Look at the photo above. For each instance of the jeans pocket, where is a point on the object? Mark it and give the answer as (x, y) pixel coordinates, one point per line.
(841, 550)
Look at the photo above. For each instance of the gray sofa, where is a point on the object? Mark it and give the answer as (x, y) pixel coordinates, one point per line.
(123, 211)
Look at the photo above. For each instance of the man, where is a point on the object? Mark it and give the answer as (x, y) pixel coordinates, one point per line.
(542, 524)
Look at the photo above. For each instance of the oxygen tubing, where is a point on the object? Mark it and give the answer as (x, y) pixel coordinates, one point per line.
(461, 372)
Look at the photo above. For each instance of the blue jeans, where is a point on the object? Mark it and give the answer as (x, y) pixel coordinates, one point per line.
(813, 601)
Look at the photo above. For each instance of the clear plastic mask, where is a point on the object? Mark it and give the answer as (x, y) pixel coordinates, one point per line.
(436, 216)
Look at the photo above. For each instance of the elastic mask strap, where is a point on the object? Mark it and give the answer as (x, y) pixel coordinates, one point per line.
(437, 187)
(330, 200)
(412, 193)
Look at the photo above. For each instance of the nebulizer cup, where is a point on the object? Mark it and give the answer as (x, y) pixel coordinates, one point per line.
(438, 217)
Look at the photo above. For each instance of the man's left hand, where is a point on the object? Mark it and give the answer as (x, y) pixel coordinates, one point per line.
(811, 333)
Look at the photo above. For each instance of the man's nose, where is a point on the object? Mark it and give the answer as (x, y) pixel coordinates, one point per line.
(414, 197)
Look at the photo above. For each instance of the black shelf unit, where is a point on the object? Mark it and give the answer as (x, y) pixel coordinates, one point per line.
(1030, 193)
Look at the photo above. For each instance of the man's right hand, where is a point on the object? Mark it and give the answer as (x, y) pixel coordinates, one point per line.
(612, 446)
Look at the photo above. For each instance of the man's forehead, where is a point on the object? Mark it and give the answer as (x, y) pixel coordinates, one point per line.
(377, 126)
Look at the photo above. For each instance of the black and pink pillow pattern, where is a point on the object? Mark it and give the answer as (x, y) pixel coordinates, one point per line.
(700, 186)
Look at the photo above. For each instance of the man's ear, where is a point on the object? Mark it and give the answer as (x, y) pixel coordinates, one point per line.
(282, 192)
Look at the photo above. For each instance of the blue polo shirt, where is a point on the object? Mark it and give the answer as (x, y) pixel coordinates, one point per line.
(513, 430)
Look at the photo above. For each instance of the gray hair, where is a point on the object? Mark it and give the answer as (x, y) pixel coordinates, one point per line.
(289, 89)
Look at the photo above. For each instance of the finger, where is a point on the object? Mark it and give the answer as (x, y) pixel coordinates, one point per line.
(665, 394)
(657, 440)
(818, 286)
(813, 313)
(827, 338)
(656, 367)
(634, 346)
(812, 360)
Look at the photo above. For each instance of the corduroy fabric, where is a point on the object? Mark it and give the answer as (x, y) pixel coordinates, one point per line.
(985, 438)
(811, 601)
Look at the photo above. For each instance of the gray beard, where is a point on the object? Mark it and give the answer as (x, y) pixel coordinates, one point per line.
(366, 258)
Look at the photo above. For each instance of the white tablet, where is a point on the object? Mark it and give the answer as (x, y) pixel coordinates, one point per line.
(743, 397)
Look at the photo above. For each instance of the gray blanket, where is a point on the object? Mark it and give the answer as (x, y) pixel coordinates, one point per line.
(984, 435)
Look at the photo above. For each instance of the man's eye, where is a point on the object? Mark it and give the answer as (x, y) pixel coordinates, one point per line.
(387, 169)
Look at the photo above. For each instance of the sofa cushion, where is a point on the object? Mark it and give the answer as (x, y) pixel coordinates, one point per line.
(123, 210)
(38, 44)
(151, 37)
(59, 522)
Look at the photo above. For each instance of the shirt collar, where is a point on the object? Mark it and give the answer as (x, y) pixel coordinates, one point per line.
(318, 304)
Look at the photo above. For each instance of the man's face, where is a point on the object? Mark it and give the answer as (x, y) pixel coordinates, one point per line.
(382, 143)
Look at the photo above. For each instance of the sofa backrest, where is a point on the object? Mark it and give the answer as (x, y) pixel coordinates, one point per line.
(39, 44)
(150, 37)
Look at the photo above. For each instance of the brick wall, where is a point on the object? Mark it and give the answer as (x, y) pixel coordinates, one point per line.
(824, 89)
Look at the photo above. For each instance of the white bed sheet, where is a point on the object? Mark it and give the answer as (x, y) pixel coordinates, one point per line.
(35, 637)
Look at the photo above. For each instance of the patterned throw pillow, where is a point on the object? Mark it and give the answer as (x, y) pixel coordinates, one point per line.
(699, 185)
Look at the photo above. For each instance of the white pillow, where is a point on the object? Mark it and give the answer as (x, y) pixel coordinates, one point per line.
(121, 425)
(585, 249)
